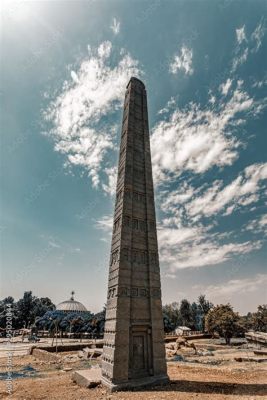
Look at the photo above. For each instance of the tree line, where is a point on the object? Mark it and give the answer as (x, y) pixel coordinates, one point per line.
(201, 315)
(186, 314)
(31, 311)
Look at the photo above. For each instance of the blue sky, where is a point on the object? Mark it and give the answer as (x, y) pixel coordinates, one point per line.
(65, 69)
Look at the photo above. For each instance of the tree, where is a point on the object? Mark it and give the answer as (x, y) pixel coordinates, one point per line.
(98, 322)
(224, 321)
(204, 304)
(41, 306)
(191, 315)
(256, 321)
(259, 319)
(171, 316)
(30, 307)
(73, 322)
(186, 313)
(196, 316)
(247, 321)
(25, 309)
(203, 308)
(3, 310)
(50, 321)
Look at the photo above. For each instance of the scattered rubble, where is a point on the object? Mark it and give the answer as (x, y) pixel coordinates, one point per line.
(210, 359)
(204, 353)
(250, 359)
(260, 352)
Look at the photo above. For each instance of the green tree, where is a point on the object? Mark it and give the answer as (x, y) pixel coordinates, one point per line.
(196, 316)
(224, 321)
(259, 319)
(204, 304)
(171, 316)
(203, 308)
(186, 313)
(30, 307)
(41, 306)
(25, 309)
(13, 309)
(98, 322)
(246, 322)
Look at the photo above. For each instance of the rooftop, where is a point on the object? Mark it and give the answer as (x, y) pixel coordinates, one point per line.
(71, 305)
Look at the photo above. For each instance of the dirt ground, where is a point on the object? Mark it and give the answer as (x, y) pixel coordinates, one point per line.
(212, 376)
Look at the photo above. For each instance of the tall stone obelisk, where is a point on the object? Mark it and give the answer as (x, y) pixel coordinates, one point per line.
(134, 351)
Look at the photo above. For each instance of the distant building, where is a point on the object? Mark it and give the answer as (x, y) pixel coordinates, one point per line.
(182, 330)
(71, 305)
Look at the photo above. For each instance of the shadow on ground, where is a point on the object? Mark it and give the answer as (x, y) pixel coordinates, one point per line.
(237, 389)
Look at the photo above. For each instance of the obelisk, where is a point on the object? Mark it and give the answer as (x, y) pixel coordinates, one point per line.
(134, 351)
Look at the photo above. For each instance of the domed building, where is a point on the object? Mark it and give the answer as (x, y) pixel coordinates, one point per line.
(71, 305)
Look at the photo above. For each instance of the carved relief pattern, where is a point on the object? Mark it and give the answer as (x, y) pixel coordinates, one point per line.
(134, 279)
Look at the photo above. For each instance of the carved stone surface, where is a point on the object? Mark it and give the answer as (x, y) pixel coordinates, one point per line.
(134, 352)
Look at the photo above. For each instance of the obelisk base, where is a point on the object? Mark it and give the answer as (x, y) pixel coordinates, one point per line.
(135, 383)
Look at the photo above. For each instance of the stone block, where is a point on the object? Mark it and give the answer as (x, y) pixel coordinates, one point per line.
(89, 378)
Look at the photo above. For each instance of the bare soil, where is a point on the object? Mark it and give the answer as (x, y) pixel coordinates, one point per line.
(205, 377)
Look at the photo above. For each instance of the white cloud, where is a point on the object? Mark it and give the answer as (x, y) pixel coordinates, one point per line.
(104, 50)
(74, 76)
(242, 191)
(110, 187)
(263, 221)
(170, 104)
(233, 286)
(189, 247)
(193, 139)
(212, 99)
(240, 34)
(258, 35)
(184, 240)
(196, 139)
(224, 87)
(258, 225)
(240, 59)
(105, 223)
(182, 61)
(170, 237)
(54, 244)
(78, 113)
(180, 196)
(244, 293)
(247, 46)
(259, 84)
(115, 26)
